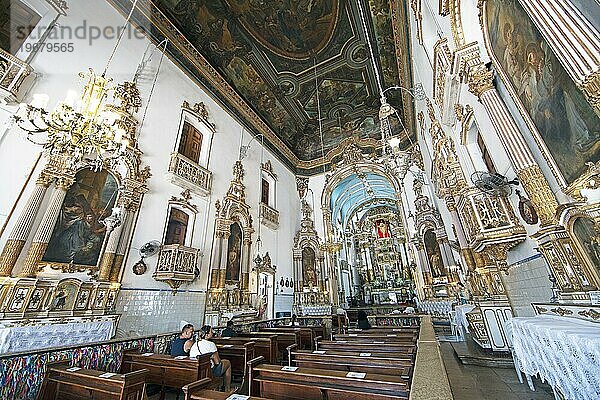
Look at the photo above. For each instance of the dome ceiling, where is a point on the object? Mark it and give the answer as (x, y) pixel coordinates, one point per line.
(258, 58)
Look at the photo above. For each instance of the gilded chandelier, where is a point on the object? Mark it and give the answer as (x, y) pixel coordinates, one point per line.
(84, 126)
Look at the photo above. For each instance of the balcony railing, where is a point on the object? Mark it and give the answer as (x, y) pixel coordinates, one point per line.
(269, 216)
(488, 219)
(12, 74)
(190, 175)
(176, 264)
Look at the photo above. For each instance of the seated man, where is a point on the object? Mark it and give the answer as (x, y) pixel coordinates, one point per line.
(229, 331)
(182, 344)
(203, 346)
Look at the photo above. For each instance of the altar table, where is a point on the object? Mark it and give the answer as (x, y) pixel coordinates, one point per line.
(565, 352)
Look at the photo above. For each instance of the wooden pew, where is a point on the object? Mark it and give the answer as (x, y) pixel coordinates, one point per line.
(306, 335)
(284, 339)
(64, 383)
(199, 391)
(396, 337)
(378, 330)
(355, 362)
(320, 384)
(263, 346)
(238, 355)
(368, 347)
(166, 370)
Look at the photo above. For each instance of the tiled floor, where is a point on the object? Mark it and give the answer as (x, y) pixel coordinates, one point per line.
(471, 382)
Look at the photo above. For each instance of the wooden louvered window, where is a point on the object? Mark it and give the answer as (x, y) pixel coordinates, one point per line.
(190, 143)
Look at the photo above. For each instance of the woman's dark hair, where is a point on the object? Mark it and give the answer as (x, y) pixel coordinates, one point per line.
(204, 331)
(186, 327)
(361, 315)
(230, 323)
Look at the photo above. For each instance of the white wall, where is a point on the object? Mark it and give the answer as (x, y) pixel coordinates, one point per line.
(147, 305)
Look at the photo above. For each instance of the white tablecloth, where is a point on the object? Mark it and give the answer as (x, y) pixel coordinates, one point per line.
(24, 338)
(565, 352)
(437, 308)
(461, 315)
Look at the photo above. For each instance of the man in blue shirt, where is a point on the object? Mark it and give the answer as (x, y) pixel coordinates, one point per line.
(182, 344)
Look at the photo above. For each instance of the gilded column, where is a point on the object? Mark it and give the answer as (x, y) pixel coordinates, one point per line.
(18, 236)
(245, 264)
(44, 230)
(110, 250)
(215, 265)
(223, 264)
(480, 81)
(574, 41)
(123, 243)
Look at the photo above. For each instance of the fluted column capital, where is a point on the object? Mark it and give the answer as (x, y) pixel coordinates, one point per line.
(480, 79)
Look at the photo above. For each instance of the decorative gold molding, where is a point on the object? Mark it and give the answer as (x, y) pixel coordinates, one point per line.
(116, 267)
(588, 180)
(10, 255)
(106, 264)
(480, 79)
(536, 186)
(456, 23)
(34, 256)
(591, 89)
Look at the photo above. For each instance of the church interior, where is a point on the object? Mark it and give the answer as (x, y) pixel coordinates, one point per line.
(306, 200)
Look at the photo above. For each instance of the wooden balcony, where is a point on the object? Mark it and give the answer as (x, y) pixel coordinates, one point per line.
(176, 265)
(12, 74)
(189, 175)
(269, 216)
(489, 220)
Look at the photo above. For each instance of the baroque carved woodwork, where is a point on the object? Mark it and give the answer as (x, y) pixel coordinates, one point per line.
(232, 209)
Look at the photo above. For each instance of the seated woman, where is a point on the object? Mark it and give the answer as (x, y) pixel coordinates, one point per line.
(363, 321)
(182, 344)
(220, 367)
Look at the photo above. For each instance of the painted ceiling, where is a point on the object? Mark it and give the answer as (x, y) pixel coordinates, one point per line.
(266, 60)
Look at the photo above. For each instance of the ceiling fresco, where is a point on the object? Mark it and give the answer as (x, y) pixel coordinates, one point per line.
(286, 59)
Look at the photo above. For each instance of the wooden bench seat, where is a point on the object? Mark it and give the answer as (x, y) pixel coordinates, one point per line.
(263, 346)
(320, 384)
(167, 371)
(306, 335)
(199, 391)
(284, 339)
(238, 355)
(378, 330)
(61, 384)
(387, 338)
(355, 362)
(369, 347)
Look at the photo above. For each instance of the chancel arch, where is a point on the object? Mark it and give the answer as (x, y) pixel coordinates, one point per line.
(364, 223)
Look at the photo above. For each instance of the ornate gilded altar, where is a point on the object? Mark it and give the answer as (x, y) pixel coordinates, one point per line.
(230, 261)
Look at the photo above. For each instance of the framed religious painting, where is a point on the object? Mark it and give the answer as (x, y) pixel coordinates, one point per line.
(563, 123)
(78, 234)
